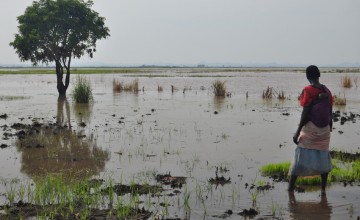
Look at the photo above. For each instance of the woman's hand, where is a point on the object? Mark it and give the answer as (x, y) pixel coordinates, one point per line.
(296, 137)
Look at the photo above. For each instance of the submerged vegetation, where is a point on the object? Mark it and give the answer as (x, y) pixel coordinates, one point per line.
(13, 98)
(82, 92)
(53, 197)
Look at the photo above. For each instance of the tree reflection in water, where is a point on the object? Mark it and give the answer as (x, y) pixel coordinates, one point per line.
(56, 149)
(60, 117)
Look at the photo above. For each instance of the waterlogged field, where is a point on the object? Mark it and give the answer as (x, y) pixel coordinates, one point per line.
(169, 151)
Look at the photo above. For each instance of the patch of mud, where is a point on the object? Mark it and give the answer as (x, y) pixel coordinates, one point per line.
(173, 181)
(345, 156)
(2, 146)
(345, 117)
(219, 180)
(279, 177)
(225, 215)
(264, 187)
(249, 212)
(144, 189)
(4, 116)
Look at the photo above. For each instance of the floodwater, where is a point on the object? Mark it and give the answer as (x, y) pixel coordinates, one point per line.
(188, 133)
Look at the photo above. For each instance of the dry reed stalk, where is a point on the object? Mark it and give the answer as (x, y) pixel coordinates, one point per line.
(346, 81)
(117, 86)
(160, 88)
(219, 88)
(281, 95)
(339, 101)
(268, 93)
(131, 87)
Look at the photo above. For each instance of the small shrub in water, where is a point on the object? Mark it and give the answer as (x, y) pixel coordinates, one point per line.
(274, 168)
(268, 93)
(219, 88)
(281, 95)
(131, 87)
(117, 86)
(339, 101)
(82, 92)
(346, 81)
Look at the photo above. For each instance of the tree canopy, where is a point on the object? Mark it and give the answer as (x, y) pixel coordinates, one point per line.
(57, 31)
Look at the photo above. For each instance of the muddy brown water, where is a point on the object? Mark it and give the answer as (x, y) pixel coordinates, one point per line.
(188, 133)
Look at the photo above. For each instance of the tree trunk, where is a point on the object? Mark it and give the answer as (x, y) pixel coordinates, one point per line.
(61, 87)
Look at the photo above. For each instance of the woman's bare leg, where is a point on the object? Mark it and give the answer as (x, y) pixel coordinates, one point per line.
(324, 177)
(292, 182)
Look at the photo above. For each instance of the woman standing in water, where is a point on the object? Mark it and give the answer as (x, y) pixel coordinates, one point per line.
(312, 156)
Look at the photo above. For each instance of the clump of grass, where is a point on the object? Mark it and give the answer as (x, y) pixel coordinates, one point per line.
(346, 81)
(219, 88)
(281, 95)
(82, 92)
(130, 87)
(117, 86)
(268, 93)
(339, 101)
(275, 168)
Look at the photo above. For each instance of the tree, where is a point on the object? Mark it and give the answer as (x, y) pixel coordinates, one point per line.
(57, 31)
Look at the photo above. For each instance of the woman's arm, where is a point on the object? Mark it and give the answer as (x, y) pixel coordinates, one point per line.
(331, 119)
(303, 120)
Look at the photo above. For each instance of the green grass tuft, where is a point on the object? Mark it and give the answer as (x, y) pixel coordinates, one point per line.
(82, 92)
(275, 168)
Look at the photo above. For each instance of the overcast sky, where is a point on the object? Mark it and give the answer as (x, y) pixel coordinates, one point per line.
(322, 32)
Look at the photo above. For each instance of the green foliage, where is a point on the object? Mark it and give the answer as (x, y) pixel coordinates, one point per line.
(275, 168)
(343, 171)
(57, 30)
(82, 92)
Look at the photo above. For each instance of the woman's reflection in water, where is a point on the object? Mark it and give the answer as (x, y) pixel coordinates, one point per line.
(309, 209)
